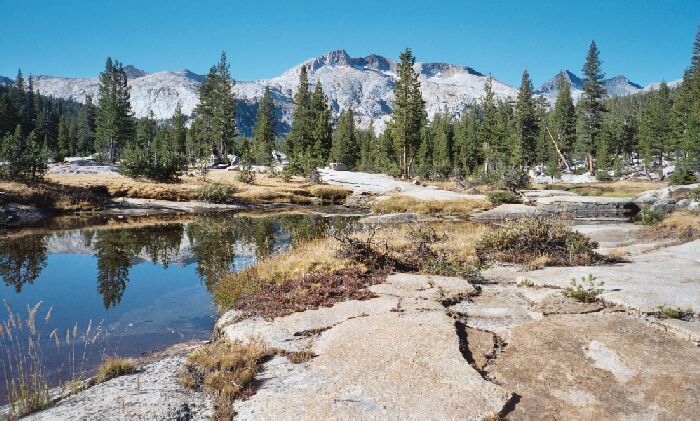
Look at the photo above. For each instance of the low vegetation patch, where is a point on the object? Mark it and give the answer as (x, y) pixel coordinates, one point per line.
(401, 204)
(226, 370)
(611, 189)
(677, 313)
(315, 257)
(330, 194)
(500, 197)
(47, 195)
(683, 226)
(215, 193)
(528, 239)
(587, 291)
(310, 292)
(649, 216)
(113, 367)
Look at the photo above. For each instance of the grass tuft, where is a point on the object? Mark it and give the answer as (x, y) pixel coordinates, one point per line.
(330, 194)
(113, 367)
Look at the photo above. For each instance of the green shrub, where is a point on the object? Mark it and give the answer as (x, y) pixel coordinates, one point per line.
(584, 293)
(500, 197)
(527, 239)
(246, 174)
(683, 174)
(678, 313)
(215, 193)
(650, 216)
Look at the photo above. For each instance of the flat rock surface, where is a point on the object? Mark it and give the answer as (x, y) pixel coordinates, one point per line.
(397, 356)
(153, 393)
(134, 206)
(602, 366)
(669, 276)
(382, 184)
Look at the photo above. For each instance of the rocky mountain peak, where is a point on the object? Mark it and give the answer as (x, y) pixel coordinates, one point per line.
(133, 72)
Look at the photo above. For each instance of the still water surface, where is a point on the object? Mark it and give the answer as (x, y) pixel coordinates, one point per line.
(138, 285)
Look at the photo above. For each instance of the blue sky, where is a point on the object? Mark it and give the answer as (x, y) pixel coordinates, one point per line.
(645, 40)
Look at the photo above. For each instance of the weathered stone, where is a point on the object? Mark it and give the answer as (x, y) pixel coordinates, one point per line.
(669, 276)
(153, 393)
(395, 356)
(598, 366)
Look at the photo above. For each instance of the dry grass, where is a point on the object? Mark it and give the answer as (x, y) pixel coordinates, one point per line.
(53, 196)
(682, 225)
(264, 190)
(401, 203)
(113, 367)
(330, 194)
(538, 241)
(610, 189)
(457, 240)
(226, 370)
(301, 278)
(317, 257)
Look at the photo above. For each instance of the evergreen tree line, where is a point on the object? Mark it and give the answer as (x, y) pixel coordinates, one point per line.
(597, 134)
(35, 128)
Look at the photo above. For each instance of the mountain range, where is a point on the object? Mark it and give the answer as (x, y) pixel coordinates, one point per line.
(364, 84)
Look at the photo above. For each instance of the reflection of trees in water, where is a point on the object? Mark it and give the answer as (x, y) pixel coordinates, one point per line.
(213, 240)
(117, 249)
(22, 259)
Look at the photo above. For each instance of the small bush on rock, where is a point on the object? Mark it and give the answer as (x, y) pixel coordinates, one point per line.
(500, 197)
(676, 313)
(650, 216)
(587, 291)
(527, 239)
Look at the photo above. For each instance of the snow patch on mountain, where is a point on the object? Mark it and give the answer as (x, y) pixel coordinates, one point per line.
(363, 84)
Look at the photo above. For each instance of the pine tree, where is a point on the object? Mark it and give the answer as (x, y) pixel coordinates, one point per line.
(344, 147)
(85, 136)
(527, 124)
(300, 134)
(564, 118)
(264, 130)
(114, 118)
(216, 111)
(590, 106)
(468, 150)
(655, 126)
(492, 135)
(322, 133)
(63, 139)
(442, 139)
(25, 156)
(179, 131)
(408, 116)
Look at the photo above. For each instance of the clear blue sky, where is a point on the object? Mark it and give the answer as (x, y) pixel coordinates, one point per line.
(645, 40)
